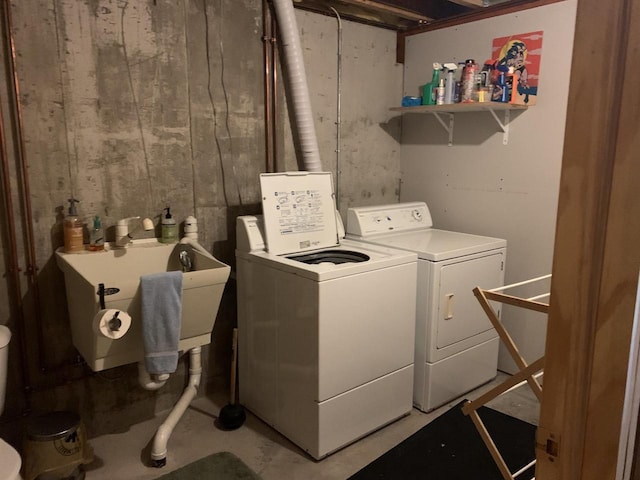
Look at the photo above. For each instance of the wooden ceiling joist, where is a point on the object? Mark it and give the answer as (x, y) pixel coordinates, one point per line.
(469, 3)
(368, 12)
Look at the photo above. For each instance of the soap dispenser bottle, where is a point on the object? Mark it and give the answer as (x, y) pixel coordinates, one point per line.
(169, 228)
(96, 236)
(73, 229)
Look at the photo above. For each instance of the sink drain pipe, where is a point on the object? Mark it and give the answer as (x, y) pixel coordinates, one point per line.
(148, 382)
(298, 85)
(159, 449)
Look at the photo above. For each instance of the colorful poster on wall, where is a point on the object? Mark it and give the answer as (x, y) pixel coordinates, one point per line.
(522, 52)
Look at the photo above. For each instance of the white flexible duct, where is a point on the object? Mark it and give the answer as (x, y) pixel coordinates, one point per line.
(298, 85)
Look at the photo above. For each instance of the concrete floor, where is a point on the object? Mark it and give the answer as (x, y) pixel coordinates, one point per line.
(264, 450)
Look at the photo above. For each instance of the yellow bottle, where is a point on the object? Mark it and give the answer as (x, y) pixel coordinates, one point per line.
(73, 230)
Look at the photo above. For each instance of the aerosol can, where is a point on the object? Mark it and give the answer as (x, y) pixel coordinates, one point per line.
(450, 84)
(469, 73)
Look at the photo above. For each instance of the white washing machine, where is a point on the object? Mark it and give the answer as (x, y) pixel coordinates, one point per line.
(456, 346)
(325, 326)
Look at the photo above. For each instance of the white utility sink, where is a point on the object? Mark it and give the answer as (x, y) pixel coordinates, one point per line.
(119, 271)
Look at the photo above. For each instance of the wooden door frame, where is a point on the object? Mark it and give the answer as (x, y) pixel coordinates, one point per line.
(597, 249)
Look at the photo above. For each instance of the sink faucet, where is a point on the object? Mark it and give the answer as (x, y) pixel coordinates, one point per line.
(123, 236)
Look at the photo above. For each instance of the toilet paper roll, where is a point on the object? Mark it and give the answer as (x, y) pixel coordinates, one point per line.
(111, 323)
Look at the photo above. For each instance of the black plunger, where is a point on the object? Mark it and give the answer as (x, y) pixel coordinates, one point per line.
(232, 416)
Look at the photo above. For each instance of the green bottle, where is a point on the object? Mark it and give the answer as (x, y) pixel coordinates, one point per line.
(429, 90)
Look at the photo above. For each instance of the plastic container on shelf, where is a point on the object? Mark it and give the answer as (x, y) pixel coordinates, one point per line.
(429, 90)
(469, 91)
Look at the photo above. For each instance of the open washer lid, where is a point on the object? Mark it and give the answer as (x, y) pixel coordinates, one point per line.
(299, 211)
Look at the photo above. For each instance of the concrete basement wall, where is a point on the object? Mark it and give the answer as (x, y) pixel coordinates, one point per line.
(481, 186)
(371, 81)
(130, 106)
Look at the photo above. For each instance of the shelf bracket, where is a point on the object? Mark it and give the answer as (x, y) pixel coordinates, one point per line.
(439, 111)
(503, 125)
(448, 128)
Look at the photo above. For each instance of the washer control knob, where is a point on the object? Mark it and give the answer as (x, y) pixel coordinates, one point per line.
(417, 214)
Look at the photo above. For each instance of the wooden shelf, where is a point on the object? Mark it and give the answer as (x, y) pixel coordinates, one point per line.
(460, 107)
(492, 107)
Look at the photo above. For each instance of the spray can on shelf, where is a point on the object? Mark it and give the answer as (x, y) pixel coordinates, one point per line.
(450, 84)
(469, 74)
(512, 84)
(487, 74)
(440, 91)
(501, 88)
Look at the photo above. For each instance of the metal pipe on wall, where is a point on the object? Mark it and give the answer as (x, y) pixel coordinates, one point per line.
(32, 267)
(338, 105)
(13, 264)
(25, 198)
(267, 52)
(12, 257)
(274, 91)
(270, 54)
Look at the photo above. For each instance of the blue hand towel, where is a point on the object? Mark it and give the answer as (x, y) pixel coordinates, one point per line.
(161, 320)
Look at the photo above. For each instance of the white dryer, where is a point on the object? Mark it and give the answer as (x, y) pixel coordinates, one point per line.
(325, 326)
(456, 347)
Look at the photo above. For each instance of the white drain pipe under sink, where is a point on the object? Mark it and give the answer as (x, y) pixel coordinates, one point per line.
(160, 440)
(148, 382)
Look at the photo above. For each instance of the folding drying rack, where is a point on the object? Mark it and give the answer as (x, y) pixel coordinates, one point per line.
(528, 373)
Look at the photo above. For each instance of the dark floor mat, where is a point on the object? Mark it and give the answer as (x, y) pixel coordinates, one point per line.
(450, 448)
(219, 466)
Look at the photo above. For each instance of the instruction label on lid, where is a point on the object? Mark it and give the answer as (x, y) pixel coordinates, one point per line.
(299, 211)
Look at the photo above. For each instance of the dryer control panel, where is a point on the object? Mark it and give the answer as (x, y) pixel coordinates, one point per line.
(399, 217)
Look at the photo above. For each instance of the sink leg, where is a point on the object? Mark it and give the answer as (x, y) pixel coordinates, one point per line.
(159, 450)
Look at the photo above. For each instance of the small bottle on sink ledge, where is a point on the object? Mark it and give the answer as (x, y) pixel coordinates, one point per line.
(73, 234)
(96, 236)
(169, 232)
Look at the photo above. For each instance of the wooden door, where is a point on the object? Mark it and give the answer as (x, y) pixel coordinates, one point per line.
(597, 249)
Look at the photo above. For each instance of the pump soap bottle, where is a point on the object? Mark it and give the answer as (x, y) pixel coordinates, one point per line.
(96, 237)
(169, 228)
(73, 229)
